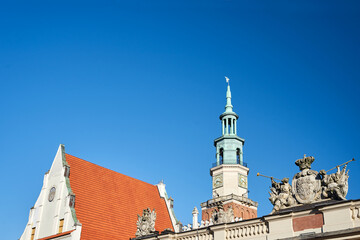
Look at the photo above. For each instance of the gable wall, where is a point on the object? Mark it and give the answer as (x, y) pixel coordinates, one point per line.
(45, 215)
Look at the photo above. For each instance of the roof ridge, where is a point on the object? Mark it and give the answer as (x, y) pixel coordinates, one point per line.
(154, 185)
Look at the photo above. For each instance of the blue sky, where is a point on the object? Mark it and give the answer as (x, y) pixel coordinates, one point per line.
(138, 86)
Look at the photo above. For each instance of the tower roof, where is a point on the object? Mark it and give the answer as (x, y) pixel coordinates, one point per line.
(228, 106)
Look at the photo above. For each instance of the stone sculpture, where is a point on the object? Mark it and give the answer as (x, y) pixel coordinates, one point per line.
(308, 186)
(222, 216)
(335, 185)
(281, 194)
(146, 223)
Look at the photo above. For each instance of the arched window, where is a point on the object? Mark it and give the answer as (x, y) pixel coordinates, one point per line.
(221, 155)
(238, 155)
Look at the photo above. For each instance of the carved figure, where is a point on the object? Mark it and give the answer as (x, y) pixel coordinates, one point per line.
(222, 216)
(281, 194)
(146, 223)
(335, 185)
(308, 186)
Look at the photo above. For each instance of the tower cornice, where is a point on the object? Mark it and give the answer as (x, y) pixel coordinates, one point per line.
(229, 137)
(228, 113)
(229, 166)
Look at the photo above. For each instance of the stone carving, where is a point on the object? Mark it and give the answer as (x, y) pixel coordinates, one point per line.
(281, 194)
(222, 216)
(308, 186)
(146, 223)
(335, 185)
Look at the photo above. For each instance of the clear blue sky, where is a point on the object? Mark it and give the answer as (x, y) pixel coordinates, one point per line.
(138, 86)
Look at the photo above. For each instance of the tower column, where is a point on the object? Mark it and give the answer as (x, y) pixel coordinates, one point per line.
(227, 126)
(235, 126)
(223, 126)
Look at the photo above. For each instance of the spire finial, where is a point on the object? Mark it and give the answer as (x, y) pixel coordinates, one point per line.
(227, 80)
(228, 107)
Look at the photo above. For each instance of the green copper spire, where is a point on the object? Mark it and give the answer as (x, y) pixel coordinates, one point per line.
(228, 107)
(229, 145)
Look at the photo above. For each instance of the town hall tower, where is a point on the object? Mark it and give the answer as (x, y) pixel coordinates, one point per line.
(229, 173)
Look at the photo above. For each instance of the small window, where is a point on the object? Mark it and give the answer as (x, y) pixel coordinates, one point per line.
(72, 201)
(61, 225)
(67, 171)
(238, 156)
(221, 155)
(33, 233)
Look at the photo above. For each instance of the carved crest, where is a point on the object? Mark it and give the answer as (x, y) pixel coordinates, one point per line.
(306, 184)
(309, 186)
(146, 223)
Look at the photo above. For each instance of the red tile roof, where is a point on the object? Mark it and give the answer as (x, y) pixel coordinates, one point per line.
(56, 235)
(107, 202)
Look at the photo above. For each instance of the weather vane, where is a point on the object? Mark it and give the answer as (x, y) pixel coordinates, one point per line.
(227, 80)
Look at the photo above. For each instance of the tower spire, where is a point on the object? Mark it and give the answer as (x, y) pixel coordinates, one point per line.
(228, 107)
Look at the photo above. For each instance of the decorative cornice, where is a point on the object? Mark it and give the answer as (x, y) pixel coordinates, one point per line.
(228, 113)
(229, 137)
(244, 200)
(228, 166)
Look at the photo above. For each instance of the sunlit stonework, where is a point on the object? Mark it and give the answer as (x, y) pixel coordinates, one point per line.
(223, 216)
(146, 223)
(309, 186)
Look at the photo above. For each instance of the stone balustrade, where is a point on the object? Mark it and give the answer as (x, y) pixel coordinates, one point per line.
(195, 235)
(246, 230)
(323, 220)
(355, 212)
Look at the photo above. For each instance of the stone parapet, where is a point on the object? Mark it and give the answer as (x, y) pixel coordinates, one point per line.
(312, 221)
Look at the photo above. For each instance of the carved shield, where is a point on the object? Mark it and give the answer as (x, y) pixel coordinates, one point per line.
(306, 188)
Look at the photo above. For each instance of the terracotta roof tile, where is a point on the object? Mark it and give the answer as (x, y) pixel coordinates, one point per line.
(107, 202)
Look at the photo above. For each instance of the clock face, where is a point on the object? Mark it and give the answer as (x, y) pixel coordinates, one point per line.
(217, 181)
(242, 181)
(52, 194)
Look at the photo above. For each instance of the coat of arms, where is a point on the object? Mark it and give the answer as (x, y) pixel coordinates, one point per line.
(306, 184)
(309, 186)
(146, 223)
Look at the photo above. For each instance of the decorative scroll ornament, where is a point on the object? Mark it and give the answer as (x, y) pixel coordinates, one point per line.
(309, 186)
(146, 223)
(222, 216)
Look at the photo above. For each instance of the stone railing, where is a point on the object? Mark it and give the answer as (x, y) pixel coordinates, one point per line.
(199, 235)
(355, 212)
(246, 230)
(232, 231)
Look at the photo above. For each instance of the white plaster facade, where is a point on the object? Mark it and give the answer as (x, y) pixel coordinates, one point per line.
(45, 216)
(230, 175)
